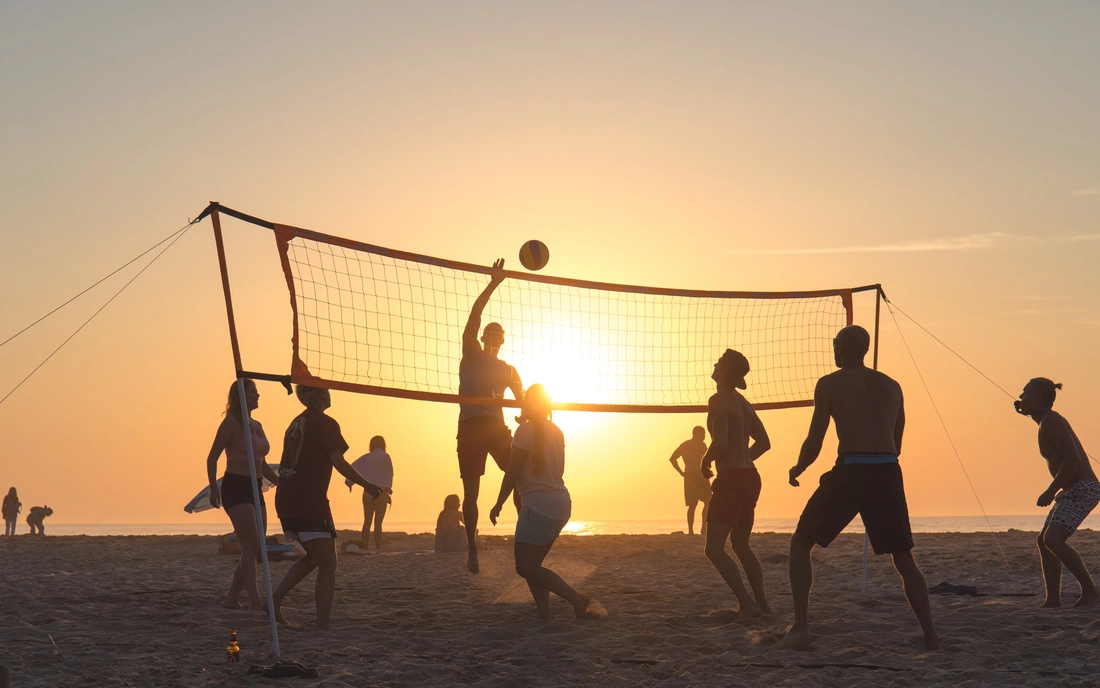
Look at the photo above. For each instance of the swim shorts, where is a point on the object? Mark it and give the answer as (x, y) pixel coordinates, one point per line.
(535, 529)
(237, 490)
(696, 488)
(875, 491)
(304, 530)
(733, 497)
(478, 437)
(1073, 504)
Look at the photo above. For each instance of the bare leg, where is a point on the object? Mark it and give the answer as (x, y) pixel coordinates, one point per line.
(293, 576)
(541, 595)
(916, 591)
(1052, 573)
(753, 571)
(529, 565)
(470, 489)
(801, 570)
(368, 513)
(691, 520)
(243, 517)
(1055, 540)
(715, 550)
(323, 553)
(379, 514)
(706, 510)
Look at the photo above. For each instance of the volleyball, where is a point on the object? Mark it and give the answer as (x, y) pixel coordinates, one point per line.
(534, 255)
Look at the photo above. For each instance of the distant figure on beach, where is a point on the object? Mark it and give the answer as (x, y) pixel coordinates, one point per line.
(35, 517)
(869, 413)
(377, 467)
(481, 429)
(696, 487)
(235, 493)
(535, 471)
(12, 507)
(1074, 491)
(450, 534)
(733, 422)
(312, 447)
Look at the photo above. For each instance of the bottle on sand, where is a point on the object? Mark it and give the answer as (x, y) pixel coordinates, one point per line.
(233, 652)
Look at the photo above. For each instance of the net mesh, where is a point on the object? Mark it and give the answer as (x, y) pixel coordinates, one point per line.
(382, 321)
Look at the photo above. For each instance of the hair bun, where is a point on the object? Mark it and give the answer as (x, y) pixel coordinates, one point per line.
(1057, 385)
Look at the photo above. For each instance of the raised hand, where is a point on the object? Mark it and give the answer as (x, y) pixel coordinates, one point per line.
(497, 276)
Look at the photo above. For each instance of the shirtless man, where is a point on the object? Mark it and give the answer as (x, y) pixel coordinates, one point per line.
(1074, 491)
(869, 413)
(481, 429)
(733, 422)
(696, 487)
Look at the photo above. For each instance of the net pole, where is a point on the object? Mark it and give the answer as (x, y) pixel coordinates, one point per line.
(261, 524)
(874, 363)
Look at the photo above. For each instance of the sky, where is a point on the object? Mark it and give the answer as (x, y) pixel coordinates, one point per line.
(947, 151)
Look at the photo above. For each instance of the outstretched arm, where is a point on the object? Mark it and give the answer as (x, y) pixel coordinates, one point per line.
(344, 468)
(469, 335)
(819, 424)
(517, 461)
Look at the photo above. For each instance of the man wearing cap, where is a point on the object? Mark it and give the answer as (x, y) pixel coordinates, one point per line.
(733, 422)
(481, 429)
(869, 412)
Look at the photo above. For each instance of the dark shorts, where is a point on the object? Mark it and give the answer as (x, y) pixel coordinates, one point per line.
(875, 492)
(733, 497)
(479, 437)
(237, 490)
(304, 529)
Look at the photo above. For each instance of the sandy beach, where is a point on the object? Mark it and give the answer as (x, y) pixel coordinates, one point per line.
(142, 611)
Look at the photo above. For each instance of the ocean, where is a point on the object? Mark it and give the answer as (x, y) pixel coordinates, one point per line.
(921, 524)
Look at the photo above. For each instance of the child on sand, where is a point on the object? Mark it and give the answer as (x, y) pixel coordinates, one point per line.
(312, 447)
(1074, 491)
(35, 517)
(535, 469)
(12, 507)
(450, 533)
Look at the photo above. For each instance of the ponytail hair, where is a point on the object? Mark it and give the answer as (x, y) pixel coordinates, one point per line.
(538, 411)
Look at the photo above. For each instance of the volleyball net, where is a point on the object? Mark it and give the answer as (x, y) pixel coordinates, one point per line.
(381, 321)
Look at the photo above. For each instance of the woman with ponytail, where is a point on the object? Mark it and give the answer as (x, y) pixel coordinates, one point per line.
(535, 470)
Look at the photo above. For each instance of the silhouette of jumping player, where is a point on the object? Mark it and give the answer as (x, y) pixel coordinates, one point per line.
(1074, 491)
(869, 413)
(696, 487)
(732, 423)
(481, 429)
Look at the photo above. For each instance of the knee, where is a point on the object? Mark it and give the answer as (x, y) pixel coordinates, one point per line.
(905, 564)
(801, 545)
(715, 550)
(1041, 540)
(1051, 540)
(525, 569)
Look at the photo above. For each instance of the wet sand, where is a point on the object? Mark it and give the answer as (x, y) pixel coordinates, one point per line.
(143, 611)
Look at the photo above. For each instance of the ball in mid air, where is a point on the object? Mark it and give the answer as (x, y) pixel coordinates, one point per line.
(534, 255)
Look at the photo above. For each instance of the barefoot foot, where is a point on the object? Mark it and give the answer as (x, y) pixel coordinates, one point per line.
(471, 561)
(796, 638)
(931, 642)
(1050, 604)
(1087, 600)
(231, 604)
(590, 609)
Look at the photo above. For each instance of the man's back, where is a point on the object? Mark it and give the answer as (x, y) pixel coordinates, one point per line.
(866, 406)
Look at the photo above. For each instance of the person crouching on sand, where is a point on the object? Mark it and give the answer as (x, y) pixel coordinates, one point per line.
(1074, 491)
(535, 469)
(312, 447)
(235, 493)
(732, 422)
(35, 517)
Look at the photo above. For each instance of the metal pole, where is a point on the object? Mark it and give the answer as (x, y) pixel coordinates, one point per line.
(866, 538)
(261, 522)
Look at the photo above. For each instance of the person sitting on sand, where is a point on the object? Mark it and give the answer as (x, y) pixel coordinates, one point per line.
(535, 470)
(235, 493)
(450, 534)
(696, 486)
(12, 507)
(312, 447)
(35, 517)
(377, 467)
(1074, 490)
(869, 412)
(733, 422)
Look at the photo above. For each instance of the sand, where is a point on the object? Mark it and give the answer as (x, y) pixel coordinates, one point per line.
(141, 611)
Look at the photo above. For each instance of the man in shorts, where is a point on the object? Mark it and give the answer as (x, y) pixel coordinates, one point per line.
(481, 429)
(312, 447)
(696, 487)
(869, 413)
(1074, 491)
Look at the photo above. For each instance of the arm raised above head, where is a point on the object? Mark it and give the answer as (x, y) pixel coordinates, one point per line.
(473, 324)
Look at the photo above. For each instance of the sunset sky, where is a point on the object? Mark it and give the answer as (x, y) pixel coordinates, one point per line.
(950, 151)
